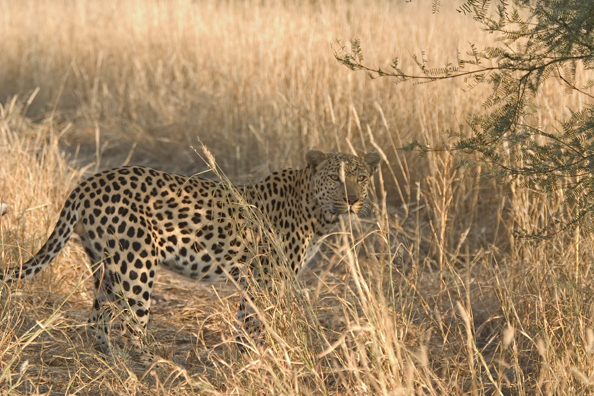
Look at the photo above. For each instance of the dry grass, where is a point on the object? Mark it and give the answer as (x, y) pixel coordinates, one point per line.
(437, 299)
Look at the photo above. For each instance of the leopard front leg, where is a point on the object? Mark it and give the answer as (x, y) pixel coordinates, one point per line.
(249, 327)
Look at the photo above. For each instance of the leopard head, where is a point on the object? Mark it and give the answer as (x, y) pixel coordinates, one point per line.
(341, 180)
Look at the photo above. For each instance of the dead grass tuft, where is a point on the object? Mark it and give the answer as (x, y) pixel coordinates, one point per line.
(430, 294)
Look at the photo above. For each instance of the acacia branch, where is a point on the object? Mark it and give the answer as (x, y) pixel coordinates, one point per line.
(559, 76)
(349, 61)
(537, 131)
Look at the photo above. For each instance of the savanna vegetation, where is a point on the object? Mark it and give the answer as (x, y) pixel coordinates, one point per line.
(432, 293)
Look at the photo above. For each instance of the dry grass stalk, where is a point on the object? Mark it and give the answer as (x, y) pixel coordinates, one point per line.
(431, 296)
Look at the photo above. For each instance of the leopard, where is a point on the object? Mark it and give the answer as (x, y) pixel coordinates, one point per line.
(134, 220)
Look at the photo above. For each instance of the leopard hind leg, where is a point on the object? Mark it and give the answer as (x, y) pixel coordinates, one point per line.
(102, 311)
(122, 299)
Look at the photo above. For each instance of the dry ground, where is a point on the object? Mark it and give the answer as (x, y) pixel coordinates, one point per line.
(437, 297)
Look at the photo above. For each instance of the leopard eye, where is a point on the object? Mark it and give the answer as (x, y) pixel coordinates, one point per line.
(334, 177)
(362, 178)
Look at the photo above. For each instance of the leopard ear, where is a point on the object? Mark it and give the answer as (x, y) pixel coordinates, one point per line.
(314, 157)
(372, 160)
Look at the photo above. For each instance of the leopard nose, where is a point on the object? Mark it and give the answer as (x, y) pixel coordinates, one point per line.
(352, 199)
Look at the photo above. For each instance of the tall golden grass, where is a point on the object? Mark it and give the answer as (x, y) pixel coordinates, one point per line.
(435, 298)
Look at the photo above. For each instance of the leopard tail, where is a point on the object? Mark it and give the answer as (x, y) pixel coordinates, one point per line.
(62, 232)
